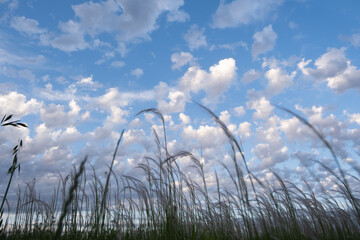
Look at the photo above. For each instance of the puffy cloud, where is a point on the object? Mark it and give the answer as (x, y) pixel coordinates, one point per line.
(177, 101)
(16, 103)
(270, 154)
(214, 83)
(185, 119)
(336, 132)
(250, 76)
(26, 25)
(195, 37)
(244, 130)
(355, 117)
(271, 149)
(55, 116)
(278, 80)
(239, 111)
(181, 59)
(240, 12)
(264, 41)
(115, 98)
(117, 117)
(137, 72)
(205, 136)
(334, 68)
(259, 103)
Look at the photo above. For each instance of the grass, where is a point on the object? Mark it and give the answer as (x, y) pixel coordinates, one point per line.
(168, 204)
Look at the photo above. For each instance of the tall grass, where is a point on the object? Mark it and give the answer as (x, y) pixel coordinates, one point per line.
(165, 203)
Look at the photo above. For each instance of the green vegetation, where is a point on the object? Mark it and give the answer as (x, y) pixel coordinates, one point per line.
(167, 204)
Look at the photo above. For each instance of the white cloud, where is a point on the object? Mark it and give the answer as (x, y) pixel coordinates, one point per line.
(278, 80)
(72, 38)
(26, 25)
(113, 97)
(271, 149)
(240, 12)
(214, 83)
(16, 103)
(225, 117)
(128, 19)
(177, 101)
(205, 136)
(239, 111)
(55, 116)
(334, 68)
(244, 130)
(137, 72)
(264, 41)
(259, 103)
(178, 16)
(355, 117)
(181, 59)
(250, 76)
(185, 119)
(195, 37)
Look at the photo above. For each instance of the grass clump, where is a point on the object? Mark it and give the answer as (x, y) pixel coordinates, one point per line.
(165, 203)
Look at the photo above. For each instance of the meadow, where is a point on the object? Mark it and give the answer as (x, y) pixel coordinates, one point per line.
(168, 204)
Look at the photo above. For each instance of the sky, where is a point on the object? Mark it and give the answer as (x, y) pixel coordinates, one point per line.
(78, 72)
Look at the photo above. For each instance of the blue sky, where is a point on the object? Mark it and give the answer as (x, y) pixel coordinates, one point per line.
(78, 73)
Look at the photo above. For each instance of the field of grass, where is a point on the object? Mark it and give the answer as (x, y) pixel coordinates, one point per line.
(170, 205)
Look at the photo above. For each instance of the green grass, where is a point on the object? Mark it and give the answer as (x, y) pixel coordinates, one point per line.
(170, 205)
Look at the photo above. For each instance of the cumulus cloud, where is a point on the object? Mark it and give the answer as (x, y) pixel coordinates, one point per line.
(260, 104)
(181, 59)
(244, 130)
(214, 83)
(55, 115)
(239, 111)
(271, 149)
(337, 133)
(239, 12)
(177, 101)
(204, 137)
(278, 80)
(334, 68)
(17, 104)
(264, 41)
(195, 37)
(113, 97)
